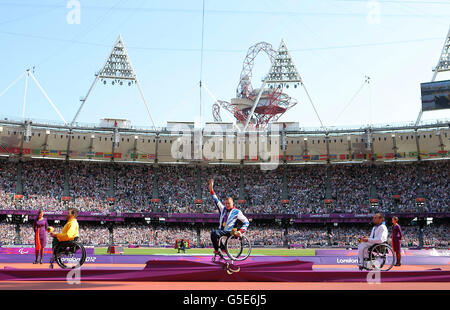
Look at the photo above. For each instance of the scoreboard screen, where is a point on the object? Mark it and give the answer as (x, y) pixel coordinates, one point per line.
(435, 95)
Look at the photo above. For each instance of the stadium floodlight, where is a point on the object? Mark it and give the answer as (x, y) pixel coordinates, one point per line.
(117, 68)
(442, 66)
(92, 136)
(393, 135)
(1, 129)
(305, 139)
(136, 137)
(27, 133)
(47, 132)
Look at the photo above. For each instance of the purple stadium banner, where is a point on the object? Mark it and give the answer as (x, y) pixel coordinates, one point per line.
(212, 217)
(30, 250)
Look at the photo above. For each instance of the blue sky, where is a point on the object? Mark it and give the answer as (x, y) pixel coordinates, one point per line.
(334, 43)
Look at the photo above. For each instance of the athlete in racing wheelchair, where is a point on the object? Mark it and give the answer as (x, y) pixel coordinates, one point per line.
(67, 251)
(374, 252)
(227, 239)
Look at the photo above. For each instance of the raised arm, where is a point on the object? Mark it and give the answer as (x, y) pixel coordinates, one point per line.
(219, 205)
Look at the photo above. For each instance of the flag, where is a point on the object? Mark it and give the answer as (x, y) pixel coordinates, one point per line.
(13, 150)
(389, 155)
(44, 152)
(323, 157)
(63, 152)
(107, 155)
(117, 155)
(99, 154)
(53, 153)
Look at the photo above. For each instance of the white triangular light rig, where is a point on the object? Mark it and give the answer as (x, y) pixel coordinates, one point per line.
(442, 66)
(119, 70)
(283, 71)
(444, 59)
(118, 65)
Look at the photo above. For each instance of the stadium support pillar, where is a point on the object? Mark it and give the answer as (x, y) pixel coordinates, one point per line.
(419, 191)
(441, 141)
(69, 139)
(157, 138)
(199, 239)
(284, 184)
(328, 188)
(394, 146)
(111, 191)
(241, 181)
(111, 233)
(155, 192)
(373, 186)
(198, 172)
(17, 240)
(420, 232)
(19, 187)
(286, 237)
(327, 141)
(349, 147)
(66, 191)
(417, 136)
(329, 234)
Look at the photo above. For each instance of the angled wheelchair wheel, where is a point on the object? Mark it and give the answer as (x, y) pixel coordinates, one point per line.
(238, 248)
(382, 257)
(70, 256)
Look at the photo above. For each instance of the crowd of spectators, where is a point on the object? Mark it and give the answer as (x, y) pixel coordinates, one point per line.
(178, 187)
(261, 235)
(7, 234)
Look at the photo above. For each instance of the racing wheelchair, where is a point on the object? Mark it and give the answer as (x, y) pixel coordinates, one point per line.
(68, 254)
(381, 257)
(233, 248)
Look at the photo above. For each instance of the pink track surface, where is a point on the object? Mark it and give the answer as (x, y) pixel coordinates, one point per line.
(117, 285)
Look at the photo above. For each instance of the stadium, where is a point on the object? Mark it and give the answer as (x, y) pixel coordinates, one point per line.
(144, 205)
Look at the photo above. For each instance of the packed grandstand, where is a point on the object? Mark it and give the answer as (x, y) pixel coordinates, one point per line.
(147, 196)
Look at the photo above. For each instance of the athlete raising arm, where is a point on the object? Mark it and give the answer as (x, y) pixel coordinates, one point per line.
(228, 217)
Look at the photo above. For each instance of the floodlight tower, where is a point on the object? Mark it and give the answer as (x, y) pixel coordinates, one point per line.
(265, 104)
(117, 69)
(442, 65)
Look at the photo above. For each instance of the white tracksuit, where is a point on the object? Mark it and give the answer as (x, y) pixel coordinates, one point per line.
(379, 234)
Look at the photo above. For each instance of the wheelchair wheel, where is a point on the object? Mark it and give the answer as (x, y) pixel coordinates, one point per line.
(382, 257)
(71, 256)
(238, 248)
